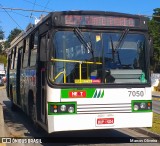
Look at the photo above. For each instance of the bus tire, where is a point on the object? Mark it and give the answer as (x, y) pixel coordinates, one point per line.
(32, 113)
(33, 117)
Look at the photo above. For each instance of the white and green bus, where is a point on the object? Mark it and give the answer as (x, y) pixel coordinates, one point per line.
(83, 70)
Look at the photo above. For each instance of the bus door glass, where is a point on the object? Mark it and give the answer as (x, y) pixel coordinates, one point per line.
(41, 80)
(19, 81)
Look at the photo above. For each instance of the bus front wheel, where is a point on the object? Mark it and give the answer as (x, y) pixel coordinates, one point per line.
(32, 113)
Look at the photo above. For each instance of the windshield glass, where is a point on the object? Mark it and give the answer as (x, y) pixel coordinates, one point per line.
(96, 57)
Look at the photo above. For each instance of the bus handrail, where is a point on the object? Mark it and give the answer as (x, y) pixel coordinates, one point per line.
(74, 61)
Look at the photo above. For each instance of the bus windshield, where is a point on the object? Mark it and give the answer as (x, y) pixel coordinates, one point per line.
(98, 57)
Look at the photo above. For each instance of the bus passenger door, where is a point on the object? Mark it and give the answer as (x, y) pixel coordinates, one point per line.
(18, 89)
(41, 84)
(8, 73)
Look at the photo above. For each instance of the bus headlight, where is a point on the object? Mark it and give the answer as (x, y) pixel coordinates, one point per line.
(141, 105)
(71, 109)
(136, 107)
(63, 108)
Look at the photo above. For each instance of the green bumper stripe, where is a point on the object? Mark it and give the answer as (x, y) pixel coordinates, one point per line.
(89, 92)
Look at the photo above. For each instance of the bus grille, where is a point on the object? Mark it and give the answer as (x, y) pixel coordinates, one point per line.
(103, 108)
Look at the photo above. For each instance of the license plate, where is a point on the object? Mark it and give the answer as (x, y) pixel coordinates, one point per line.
(105, 121)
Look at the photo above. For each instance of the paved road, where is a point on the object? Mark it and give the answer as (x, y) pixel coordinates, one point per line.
(19, 126)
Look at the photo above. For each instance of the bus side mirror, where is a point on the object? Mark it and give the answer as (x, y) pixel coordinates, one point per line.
(151, 46)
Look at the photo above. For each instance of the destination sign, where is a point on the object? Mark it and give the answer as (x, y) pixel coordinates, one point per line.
(100, 20)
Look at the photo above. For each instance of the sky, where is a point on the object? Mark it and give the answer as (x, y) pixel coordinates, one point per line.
(10, 19)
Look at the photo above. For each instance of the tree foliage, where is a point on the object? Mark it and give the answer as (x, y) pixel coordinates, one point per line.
(3, 59)
(154, 30)
(1, 38)
(13, 34)
(1, 34)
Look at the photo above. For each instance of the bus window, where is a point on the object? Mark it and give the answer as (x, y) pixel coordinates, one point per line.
(34, 44)
(25, 59)
(70, 52)
(13, 58)
(79, 58)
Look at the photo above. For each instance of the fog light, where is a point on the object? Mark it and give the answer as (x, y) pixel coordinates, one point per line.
(71, 109)
(136, 107)
(63, 108)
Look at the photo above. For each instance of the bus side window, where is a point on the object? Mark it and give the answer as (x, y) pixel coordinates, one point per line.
(25, 56)
(33, 51)
(9, 62)
(13, 58)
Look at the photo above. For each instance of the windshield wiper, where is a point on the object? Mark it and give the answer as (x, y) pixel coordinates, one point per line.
(122, 38)
(115, 50)
(87, 45)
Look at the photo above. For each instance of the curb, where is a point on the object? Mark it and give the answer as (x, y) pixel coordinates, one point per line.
(146, 132)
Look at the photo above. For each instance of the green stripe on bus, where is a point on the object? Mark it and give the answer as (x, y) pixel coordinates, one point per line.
(83, 93)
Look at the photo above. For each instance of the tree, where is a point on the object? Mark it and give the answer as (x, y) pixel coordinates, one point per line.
(154, 30)
(13, 34)
(1, 38)
(3, 59)
(1, 34)
(156, 12)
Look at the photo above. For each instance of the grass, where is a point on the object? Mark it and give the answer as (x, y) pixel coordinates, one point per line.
(156, 124)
